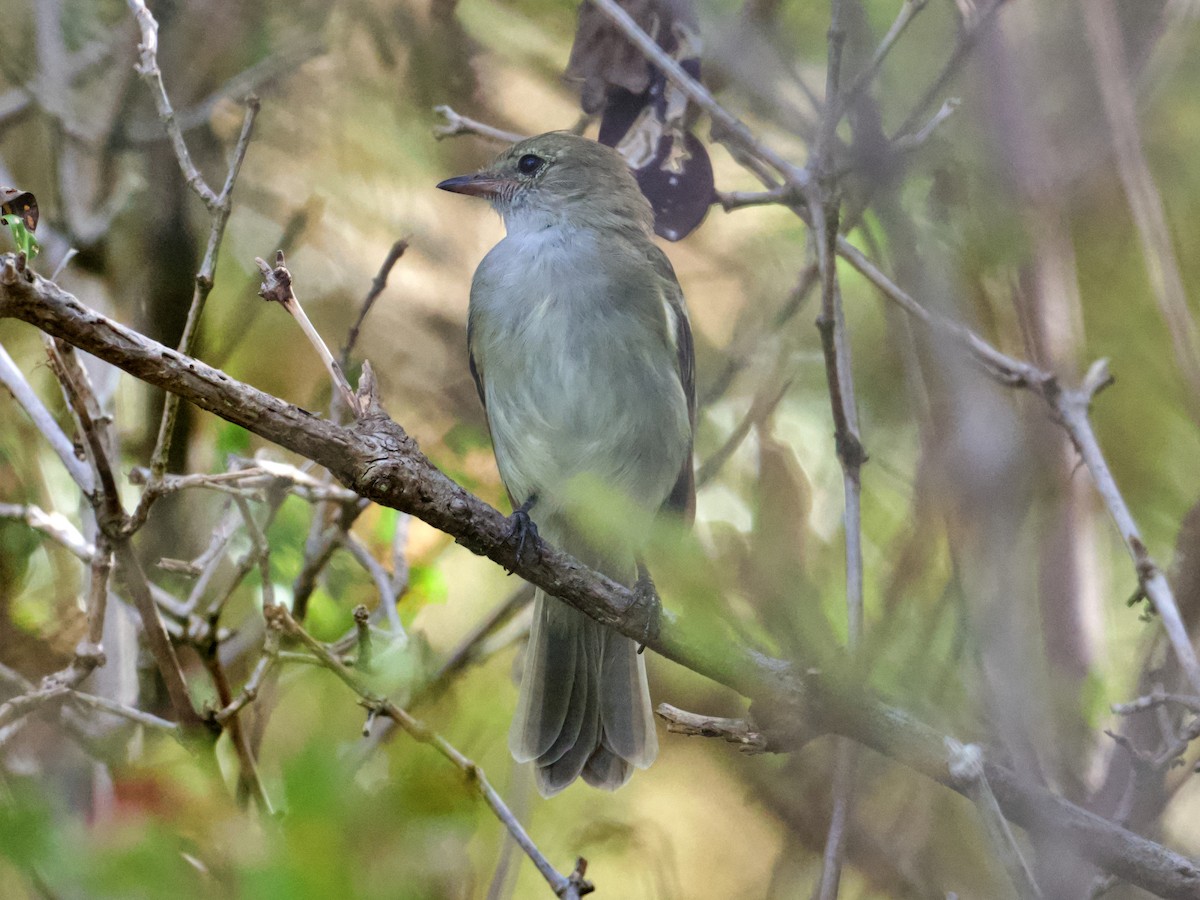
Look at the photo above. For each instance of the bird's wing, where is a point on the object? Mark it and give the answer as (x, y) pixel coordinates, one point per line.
(682, 498)
(477, 376)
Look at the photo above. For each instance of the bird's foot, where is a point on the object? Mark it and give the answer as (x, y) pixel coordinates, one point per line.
(522, 528)
(645, 597)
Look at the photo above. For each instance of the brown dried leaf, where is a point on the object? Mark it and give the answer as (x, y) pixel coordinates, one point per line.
(16, 202)
(602, 56)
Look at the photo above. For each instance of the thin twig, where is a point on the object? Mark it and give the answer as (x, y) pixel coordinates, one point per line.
(851, 456)
(54, 525)
(906, 143)
(1072, 407)
(318, 550)
(141, 717)
(160, 644)
(53, 688)
(262, 549)
(850, 452)
(823, 207)
(219, 207)
(249, 481)
(378, 283)
(278, 617)
(82, 402)
(204, 286)
(148, 68)
(908, 12)
(328, 523)
(735, 731)
(967, 39)
(57, 527)
(25, 704)
(277, 286)
(249, 780)
(457, 124)
(267, 661)
(731, 200)
(468, 651)
(1179, 746)
(379, 575)
(212, 558)
(845, 765)
(832, 113)
(97, 604)
(1106, 39)
(253, 557)
(1008, 370)
(12, 378)
(966, 767)
(1152, 701)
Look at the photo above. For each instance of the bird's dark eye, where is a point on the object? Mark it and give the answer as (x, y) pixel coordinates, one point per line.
(530, 164)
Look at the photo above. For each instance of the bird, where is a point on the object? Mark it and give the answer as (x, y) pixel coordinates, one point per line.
(580, 346)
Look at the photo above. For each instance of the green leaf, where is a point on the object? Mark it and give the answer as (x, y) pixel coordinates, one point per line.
(22, 236)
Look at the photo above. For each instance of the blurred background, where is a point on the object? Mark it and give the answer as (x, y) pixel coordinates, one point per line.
(1056, 211)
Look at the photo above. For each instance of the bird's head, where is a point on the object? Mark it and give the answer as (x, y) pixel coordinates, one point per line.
(559, 179)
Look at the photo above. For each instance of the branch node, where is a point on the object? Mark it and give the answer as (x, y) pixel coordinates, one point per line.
(11, 263)
(90, 655)
(1097, 379)
(576, 882)
(965, 762)
(367, 393)
(735, 731)
(277, 281)
(362, 626)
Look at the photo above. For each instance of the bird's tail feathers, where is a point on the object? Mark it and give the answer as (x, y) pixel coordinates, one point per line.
(584, 706)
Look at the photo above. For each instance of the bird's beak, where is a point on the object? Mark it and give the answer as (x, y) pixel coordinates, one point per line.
(480, 184)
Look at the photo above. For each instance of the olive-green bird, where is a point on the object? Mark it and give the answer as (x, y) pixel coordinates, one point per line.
(580, 346)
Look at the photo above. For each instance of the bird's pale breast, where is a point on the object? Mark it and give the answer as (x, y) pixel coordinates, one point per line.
(578, 373)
